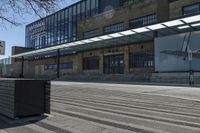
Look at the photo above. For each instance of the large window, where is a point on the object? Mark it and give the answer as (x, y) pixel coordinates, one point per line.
(113, 28)
(91, 63)
(66, 65)
(146, 20)
(50, 67)
(195, 8)
(141, 59)
(92, 33)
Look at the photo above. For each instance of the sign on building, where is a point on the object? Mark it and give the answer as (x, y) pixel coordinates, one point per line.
(172, 54)
(2, 47)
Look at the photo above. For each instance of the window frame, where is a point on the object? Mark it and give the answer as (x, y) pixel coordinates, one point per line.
(141, 19)
(89, 61)
(141, 59)
(111, 28)
(193, 4)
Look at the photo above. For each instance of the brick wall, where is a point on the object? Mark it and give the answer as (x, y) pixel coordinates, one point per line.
(123, 14)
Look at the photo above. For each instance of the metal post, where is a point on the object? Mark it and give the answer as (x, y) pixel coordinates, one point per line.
(22, 68)
(155, 35)
(58, 63)
(191, 73)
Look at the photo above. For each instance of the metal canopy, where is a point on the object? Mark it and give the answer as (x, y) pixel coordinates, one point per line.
(180, 25)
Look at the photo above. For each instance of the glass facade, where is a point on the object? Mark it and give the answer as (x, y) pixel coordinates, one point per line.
(60, 27)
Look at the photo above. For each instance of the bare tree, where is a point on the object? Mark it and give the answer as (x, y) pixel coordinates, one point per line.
(9, 9)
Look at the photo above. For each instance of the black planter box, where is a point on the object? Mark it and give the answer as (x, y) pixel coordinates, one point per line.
(22, 98)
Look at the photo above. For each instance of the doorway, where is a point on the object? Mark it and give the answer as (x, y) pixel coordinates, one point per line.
(114, 64)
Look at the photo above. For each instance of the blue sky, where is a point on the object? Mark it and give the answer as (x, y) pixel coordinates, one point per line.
(15, 36)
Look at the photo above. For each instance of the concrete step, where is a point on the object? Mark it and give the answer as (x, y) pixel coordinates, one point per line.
(128, 102)
(110, 122)
(165, 117)
(117, 118)
(82, 126)
(128, 109)
(128, 97)
(176, 110)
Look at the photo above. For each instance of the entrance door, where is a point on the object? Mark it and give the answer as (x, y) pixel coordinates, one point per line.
(114, 64)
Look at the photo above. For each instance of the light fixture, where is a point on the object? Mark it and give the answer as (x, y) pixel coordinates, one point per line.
(79, 42)
(173, 23)
(195, 25)
(69, 44)
(184, 27)
(156, 27)
(140, 30)
(116, 35)
(58, 47)
(52, 48)
(95, 39)
(192, 19)
(87, 41)
(105, 37)
(73, 44)
(128, 32)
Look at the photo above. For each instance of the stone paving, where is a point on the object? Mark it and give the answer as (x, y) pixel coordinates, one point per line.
(114, 108)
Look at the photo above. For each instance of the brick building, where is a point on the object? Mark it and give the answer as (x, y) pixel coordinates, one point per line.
(110, 37)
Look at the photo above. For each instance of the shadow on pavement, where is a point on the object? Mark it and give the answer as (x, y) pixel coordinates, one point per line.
(6, 122)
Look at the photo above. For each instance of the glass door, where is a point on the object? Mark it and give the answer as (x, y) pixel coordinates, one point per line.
(114, 64)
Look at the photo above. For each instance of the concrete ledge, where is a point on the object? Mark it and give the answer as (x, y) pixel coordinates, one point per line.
(165, 79)
(108, 77)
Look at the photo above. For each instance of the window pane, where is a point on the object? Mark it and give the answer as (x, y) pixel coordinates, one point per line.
(141, 59)
(91, 33)
(66, 65)
(146, 20)
(83, 10)
(79, 12)
(91, 63)
(93, 7)
(191, 9)
(113, 28)
(87, 8)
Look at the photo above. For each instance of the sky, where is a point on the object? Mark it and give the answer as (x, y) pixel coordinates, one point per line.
(15, 36)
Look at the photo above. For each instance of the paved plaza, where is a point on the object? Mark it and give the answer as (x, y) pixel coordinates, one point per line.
(78, 107)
